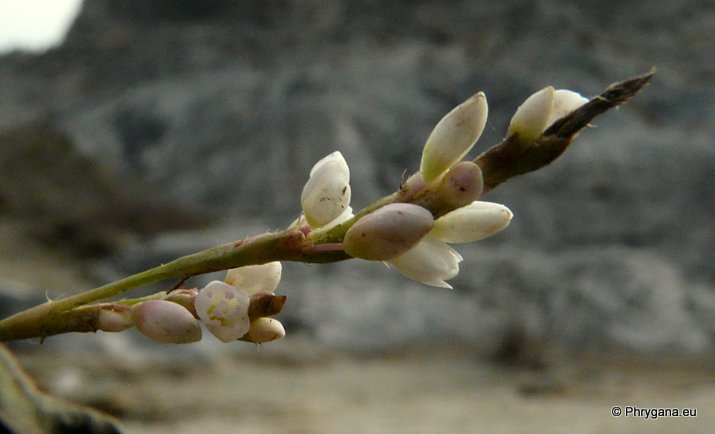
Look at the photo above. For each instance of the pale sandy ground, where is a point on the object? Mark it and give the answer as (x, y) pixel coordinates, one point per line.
(317, 391)
(296, 386)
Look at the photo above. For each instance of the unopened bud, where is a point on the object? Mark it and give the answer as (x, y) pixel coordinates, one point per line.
(471, 223)
(265, 305)
(565, 101)
(264, 330)
(114, 318)
(532, 116)
(453, 136)
(540, 110)
(184, 297)
(326, 195)
(462, 185)
(165, 321)
(255, 278)
(224, 310)
(387, 232)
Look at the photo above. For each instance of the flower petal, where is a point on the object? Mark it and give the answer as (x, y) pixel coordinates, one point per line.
(224, 310)
(253, 279)
(472, 222)
(430, 262)
(453, 136)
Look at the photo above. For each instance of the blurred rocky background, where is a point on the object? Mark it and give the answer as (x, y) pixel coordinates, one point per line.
(160, 128)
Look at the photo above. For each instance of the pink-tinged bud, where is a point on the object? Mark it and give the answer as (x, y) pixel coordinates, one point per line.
(264, 330)
(387, 232)
(114, 318)
(184, 297)
(472, 222)
(224, 310)
(462, 185)
(453, 136)
(167, 322)
(255, 278)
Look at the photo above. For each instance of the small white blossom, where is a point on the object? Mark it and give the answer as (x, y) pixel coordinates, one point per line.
(472, 222)
(224, 310)
(541, 110)
(326, 195)
(431, 262)
(454, 136)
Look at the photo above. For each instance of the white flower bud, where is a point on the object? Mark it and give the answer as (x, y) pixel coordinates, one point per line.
(327, 193)
(565, 101)
(387, 232)
(430, 262)
(541, 110)
(453, 136)
(253, 279)
(224, 310)
(472, 222)
(165, 321)
(531, 118)
(114, 318)
(264, 330)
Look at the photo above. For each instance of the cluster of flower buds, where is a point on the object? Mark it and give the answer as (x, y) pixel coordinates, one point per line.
(436, 207)
(238, 308)
(412, 237)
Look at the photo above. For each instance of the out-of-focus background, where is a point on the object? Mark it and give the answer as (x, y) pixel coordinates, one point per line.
(158, 128)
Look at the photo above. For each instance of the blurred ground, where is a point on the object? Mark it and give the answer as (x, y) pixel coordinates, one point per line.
(297, 387)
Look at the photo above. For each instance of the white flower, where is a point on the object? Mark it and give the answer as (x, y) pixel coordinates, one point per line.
(472, 222)
(541, 110)
(224, 310)
(326, 195)
(453, 136)
(432, 261)
(387, 232)
(223, 306)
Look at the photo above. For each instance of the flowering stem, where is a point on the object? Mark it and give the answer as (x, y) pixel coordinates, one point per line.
(498, 164)
(509, 159)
